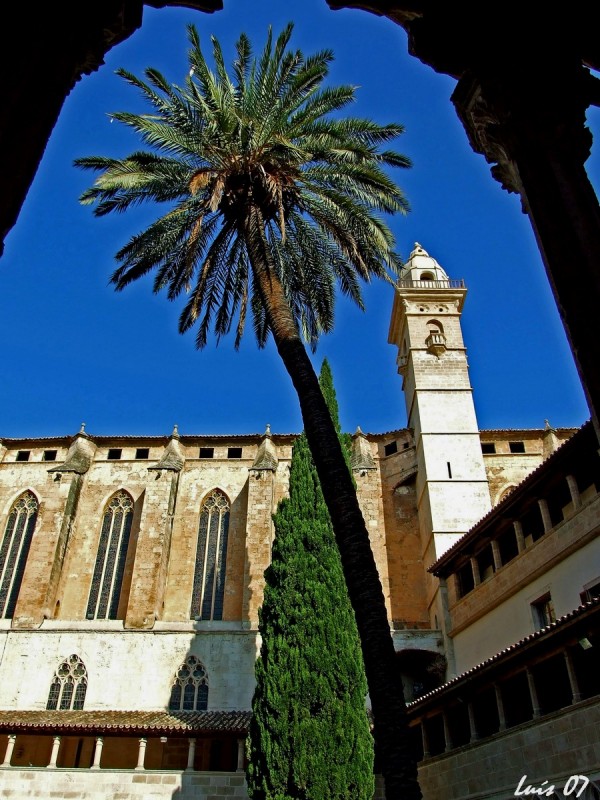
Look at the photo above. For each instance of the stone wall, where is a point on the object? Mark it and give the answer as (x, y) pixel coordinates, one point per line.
(407, 577)
(127, 670)
(160, 564)
(563, 744)
(50, 784)
(159, 572)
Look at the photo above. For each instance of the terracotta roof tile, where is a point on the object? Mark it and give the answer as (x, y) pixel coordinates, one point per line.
(128, 722)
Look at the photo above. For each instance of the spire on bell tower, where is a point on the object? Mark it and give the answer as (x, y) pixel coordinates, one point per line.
(422, 267)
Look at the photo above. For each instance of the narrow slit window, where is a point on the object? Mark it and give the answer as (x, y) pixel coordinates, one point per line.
(107, 579)
(15, 549)
(211, 556)
(591, 591)
(543, 611)
(449, 469)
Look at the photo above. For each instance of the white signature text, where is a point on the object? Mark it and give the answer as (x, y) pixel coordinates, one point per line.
(576, 786)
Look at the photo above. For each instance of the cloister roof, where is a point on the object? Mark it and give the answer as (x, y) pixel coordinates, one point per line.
(570, 627)
(126, 723)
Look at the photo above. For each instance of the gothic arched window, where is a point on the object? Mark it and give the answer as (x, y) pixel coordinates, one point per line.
(107, 580)
(14, 550)
(190, 690)
(211, 554)
(69, 685)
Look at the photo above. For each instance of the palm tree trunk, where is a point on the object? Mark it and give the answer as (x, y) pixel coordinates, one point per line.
(362, 579)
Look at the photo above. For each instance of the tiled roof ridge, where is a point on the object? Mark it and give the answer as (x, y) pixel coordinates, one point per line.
(143, 436)
(184, 438)
(530, 430)
(511, 648)
(520, 488)
(251, 435)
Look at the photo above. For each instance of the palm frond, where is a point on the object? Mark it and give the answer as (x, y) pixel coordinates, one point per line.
(266, 134)
(241, 66)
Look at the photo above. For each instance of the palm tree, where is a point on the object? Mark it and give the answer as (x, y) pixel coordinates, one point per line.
(273, 202)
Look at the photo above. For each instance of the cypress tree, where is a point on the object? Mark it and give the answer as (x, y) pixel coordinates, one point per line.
(309, 737)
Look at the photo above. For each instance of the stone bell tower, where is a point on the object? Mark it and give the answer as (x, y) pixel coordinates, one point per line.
(452, 488)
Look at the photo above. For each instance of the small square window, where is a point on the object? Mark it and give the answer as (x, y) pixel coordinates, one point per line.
(114, 453)
(391, 448)
(23, 455)
(49, 455)
(207, 452)
(406, 445)
(142, 453)
(517, 447)
(543, 611)
(591, 591)
(234, 452)
(488, 447)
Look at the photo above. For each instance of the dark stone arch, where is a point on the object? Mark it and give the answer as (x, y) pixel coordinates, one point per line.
(424, 669)
(54, 44)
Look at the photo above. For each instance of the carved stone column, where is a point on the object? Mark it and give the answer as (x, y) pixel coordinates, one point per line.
(535, 703)
(241, 753)
(191, 755)
(141, 753)
(425, 738)
(545, 512)
(12, 738)
(496, 555)
(54, 753)
(576, 695)
(99, 744)
(472, 724)
(500, 705)
(574, 491)
(475, 571)
(519, 534)
(447, 736)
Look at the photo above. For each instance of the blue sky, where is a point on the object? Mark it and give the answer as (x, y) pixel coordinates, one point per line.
(74, 350)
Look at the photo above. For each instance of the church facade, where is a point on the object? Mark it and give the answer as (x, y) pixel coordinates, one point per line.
(131, 575)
